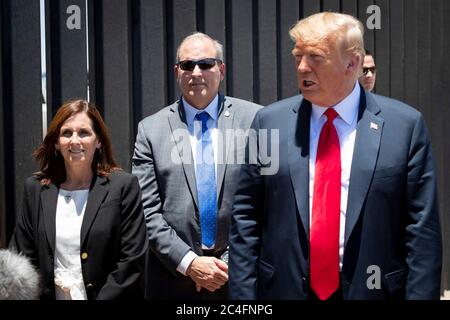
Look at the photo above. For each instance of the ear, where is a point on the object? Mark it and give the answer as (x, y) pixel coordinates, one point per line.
(353, 63)
(222, 71)
(56, 146)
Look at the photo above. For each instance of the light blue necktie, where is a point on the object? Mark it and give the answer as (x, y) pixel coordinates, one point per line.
(206, 183)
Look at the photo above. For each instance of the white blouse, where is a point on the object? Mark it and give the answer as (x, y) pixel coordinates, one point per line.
(70, 208)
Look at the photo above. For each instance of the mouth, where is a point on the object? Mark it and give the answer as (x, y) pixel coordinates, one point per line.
(197, 84)
(308, 84)
(76, 151)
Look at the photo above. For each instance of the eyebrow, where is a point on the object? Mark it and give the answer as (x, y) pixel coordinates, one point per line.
(80, 128)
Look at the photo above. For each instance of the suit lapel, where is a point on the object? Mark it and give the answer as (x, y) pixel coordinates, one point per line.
(96, 196)
(225, 122)
(49, 200)
(177, 121)
(365, 155)
(298, 158)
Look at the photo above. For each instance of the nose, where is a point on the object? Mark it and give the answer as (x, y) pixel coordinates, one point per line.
(197, 71)
(75, 138)
(303, 65)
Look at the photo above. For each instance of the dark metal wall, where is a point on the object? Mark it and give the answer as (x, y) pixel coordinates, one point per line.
(21, 128)
(130, 47)
(2, 142)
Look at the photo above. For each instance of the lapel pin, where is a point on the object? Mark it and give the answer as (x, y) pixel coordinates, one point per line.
(373, 126)
(227, 113)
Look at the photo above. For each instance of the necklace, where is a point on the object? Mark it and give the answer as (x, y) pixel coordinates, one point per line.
(69, 194)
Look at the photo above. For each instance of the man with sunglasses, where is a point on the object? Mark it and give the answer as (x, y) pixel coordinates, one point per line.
(369, 72)
(188, 177)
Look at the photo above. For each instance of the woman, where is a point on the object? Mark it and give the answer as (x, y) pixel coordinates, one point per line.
(82, 223)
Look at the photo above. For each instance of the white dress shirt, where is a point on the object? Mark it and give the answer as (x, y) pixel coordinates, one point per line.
(69, 284)
(195, 134)
(345, 124)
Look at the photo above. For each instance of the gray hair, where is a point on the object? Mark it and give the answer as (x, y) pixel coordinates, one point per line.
(202, 36)
(18, 278)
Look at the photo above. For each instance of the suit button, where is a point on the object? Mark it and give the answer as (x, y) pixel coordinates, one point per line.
(84, 256)
(89, 286)
(305, 284)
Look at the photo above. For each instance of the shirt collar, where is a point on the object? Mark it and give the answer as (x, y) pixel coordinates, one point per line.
(347, 109)
(212, 109)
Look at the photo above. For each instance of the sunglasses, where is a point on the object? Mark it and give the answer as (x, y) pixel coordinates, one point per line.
(203, 64)
(371, 69)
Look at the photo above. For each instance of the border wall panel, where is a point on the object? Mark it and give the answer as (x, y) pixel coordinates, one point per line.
(149, 58)
(68, 68)
(289, 14)
(215, 26)
(240, 64)
(22, 96)
(2, 143)
(113, 75)
(267, 52)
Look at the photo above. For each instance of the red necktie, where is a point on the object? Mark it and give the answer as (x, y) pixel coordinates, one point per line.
(324, 237)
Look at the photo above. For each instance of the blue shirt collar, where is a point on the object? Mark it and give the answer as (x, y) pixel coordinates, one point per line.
(212, 109)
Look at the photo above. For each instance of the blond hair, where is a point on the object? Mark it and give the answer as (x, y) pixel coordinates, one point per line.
(346, 31)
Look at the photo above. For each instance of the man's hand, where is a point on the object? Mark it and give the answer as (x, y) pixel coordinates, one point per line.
(208, 272)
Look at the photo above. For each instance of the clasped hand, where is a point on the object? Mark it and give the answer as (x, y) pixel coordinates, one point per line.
(208, 272)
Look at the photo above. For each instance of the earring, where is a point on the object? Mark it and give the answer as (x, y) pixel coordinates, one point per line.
(56, 152)
(99, 151)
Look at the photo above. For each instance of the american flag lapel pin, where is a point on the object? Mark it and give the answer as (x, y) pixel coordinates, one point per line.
(373, 126)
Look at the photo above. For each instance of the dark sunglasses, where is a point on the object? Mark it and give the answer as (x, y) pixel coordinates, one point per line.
(372, 69)
(203, 64)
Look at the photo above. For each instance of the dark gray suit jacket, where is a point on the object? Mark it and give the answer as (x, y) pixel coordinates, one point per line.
(164, 164)
(392, 219)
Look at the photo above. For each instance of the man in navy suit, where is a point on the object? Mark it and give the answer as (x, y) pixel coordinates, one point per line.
(352, 211)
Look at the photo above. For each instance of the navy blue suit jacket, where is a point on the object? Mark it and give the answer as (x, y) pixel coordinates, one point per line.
(392, 217)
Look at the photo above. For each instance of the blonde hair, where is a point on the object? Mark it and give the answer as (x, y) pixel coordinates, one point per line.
(346, 31)
(202, 36)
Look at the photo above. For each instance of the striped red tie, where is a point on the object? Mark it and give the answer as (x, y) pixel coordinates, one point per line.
(324, 237)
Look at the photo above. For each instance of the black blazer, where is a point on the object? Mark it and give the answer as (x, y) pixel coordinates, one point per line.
(113, 236)
(392, 219)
